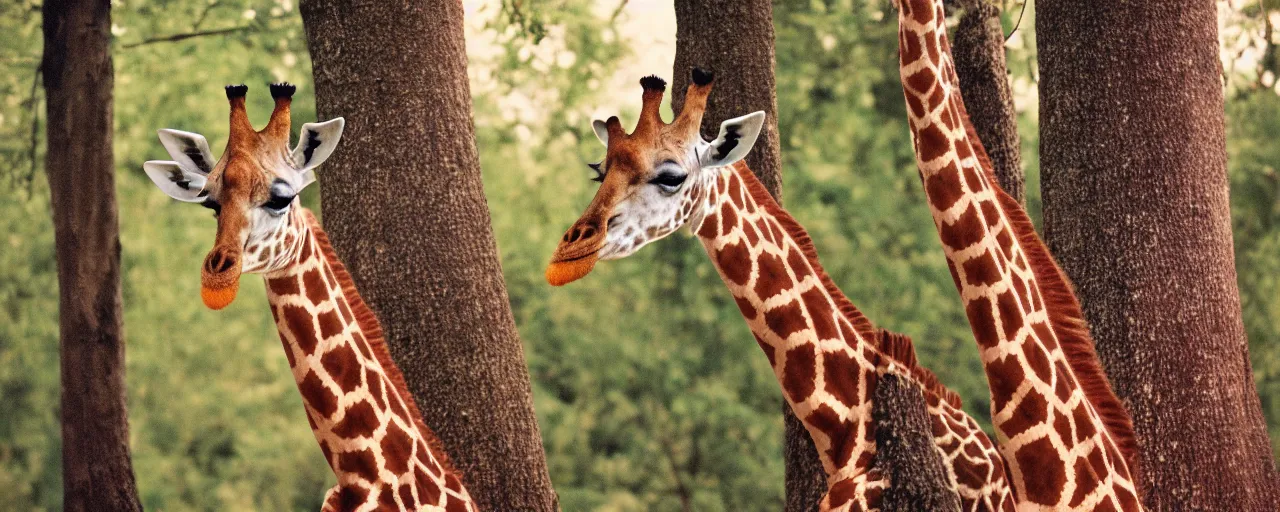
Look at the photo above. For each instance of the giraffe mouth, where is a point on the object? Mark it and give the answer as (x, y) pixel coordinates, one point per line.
(564, 271)
(220, 278)
(218, 298)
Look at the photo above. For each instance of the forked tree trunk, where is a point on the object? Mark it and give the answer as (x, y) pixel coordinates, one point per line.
(1136, 211)
(97, 473)
(978, 47)
(734, 38)
(405, 207)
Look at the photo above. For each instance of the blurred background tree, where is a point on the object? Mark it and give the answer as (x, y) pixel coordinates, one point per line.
(648, 390)
(97, 472)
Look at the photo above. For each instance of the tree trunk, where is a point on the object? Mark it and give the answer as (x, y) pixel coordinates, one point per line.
(735, 40)
(978, 48)
(1135, 208)
(97, 472)
(905, 452)
(404, 205)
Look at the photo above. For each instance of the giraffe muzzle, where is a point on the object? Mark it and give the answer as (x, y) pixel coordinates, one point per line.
(577, 254)
(220, 277)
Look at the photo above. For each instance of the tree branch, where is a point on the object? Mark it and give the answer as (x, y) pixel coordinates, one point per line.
(188, 35)
(204, 14)
(34, 105)
(1018, 23)
(681, 490)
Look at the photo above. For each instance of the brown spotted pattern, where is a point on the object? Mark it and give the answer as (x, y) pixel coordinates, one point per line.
(826, 355)
(824, 359)
(1059, 453)
(366, 423)
(365, 426)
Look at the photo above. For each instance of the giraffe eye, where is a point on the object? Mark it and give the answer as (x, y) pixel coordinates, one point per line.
(669, 182)
(281, 197)
(599, 177)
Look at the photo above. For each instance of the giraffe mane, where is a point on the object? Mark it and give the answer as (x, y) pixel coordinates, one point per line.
(899, 348)
(372, 331)
(894, 346)
(1066, 317)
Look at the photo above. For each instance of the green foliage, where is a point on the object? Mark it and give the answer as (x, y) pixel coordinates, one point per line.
(30, 446)
(21, 132)
(1253, 156)
(649, 391)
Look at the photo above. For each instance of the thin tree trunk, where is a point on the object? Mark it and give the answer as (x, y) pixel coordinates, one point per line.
(405, 207)
(978, 47)
(1135, 209)
(905, 450)
(96, 469)
(734, 39)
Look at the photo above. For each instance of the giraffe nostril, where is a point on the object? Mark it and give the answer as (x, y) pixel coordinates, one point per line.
(213, 262)
(227, 263)
(218, 262)
(581, 233)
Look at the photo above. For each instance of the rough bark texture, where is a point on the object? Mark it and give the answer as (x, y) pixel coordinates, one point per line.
(905, 452)
(978, 47)
(404, 205)
(734, 38)
(1136, 211)
(96, 470)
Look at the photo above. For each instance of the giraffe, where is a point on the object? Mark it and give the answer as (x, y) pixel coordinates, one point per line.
(1066, 438)
(367, 424)
(826, 355)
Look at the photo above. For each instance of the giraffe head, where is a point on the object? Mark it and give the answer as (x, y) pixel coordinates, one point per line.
(252, 189)
(653, 180)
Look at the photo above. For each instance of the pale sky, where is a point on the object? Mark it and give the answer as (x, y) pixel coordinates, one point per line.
(647, 28)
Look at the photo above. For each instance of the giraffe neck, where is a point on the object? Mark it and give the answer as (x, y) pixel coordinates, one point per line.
(1065, 436)
(825, 354)
(365, 421)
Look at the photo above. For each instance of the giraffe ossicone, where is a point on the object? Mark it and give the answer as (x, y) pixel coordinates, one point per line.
(828, 358)
(363, 417)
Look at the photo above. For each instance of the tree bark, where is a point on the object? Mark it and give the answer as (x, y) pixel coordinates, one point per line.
(404, 204)
(734, 39)
(905, 452)
(978, 48)
(78, 76)
(1135, 208)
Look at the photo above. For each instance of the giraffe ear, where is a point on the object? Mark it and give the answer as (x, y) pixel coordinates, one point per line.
(737, 136)
(602, 131)
(176, 180)
(188, 149)
(315, 143)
